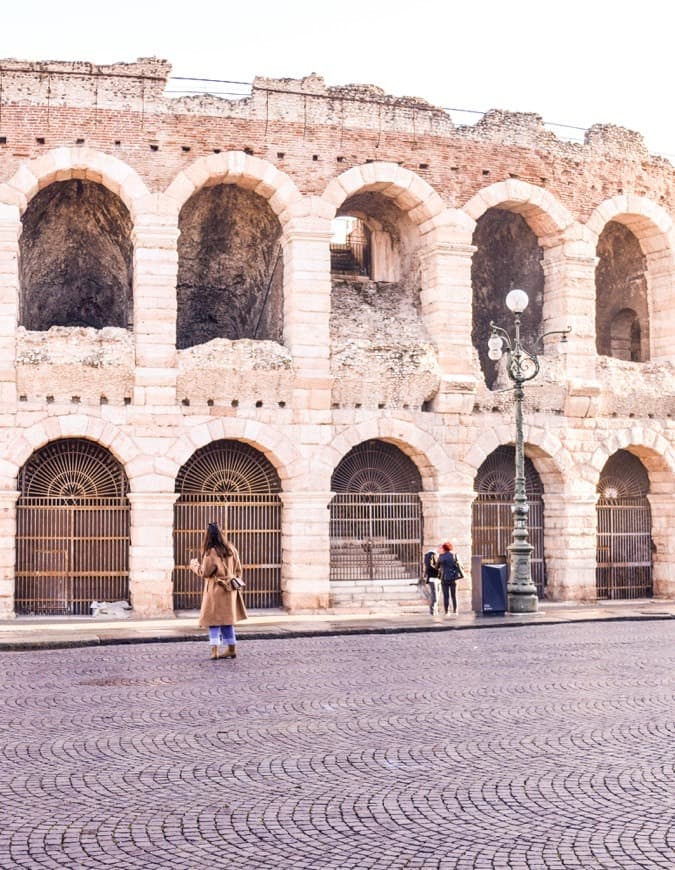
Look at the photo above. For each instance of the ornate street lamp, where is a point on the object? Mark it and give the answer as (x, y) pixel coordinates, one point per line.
(521, 365)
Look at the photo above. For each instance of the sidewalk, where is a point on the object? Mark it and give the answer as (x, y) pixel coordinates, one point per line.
(34, 632)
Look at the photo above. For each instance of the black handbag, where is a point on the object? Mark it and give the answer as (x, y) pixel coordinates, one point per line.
(237, 583)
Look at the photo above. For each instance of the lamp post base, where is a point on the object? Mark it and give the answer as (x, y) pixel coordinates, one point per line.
(522, 603)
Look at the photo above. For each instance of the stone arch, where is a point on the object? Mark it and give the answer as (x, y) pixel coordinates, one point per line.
(122, 448)
(287, 460)
(65, 163)
(552, 461)
(408, 191)
(72, 528)
(647, 220)
(233, 211)
(654, 231)
(391, 295)
(658, 458)
(541, 210)
(245, 171)
(651, 448)
(515, 223)
(433, 463)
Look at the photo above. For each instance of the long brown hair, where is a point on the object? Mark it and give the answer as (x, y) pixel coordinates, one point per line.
(214, 540)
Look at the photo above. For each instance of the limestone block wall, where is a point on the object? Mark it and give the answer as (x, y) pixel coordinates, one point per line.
(395, 360)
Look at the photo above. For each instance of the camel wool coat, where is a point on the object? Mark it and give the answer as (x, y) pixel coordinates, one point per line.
(221, 604)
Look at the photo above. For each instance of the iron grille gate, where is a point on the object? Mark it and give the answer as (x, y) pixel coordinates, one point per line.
(375, 536)
(252, 522)
(624, 556)
(493, 528)
(70, 552)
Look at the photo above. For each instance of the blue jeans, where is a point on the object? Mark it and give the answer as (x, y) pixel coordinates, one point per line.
(222, 635)
(432, 583)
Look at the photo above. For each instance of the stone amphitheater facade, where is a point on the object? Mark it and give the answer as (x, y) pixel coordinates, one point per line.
(166, 286)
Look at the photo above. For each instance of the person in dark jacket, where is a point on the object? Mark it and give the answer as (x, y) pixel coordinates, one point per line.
(431, 575)
(450, 571)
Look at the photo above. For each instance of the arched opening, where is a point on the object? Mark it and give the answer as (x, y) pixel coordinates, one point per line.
(492, 521)
(350, 247)
(624, 552)
(621, 295)
(236, 486)
(626, 336)
(375, 524)
(76, 258)
(72, 542)
(507, 255)
(230, 268)
(375, 321)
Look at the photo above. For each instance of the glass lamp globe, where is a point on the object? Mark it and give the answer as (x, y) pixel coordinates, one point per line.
(517, 301)
(494, 347)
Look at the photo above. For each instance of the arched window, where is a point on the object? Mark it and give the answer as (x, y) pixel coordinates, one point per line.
(492, 526)
(230, 268)
(72, 537)
(507, 255)
(621, 293)
(350, 247)
(626, 336)
(624, 547)
(76, 258)
(235, 485)
(375, 525)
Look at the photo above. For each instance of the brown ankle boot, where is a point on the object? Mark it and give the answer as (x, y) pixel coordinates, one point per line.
(231, 652)
(214, 652)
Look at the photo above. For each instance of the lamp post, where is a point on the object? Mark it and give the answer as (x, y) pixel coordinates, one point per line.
(522, 365)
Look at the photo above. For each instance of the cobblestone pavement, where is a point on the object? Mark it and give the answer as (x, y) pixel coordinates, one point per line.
(530, 747)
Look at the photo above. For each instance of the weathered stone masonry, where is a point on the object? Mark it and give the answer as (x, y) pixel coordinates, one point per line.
(165, 282)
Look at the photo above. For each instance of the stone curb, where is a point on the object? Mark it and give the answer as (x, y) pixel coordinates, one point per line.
(179, 636)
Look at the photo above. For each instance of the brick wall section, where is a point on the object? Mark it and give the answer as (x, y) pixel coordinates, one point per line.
(343, 127)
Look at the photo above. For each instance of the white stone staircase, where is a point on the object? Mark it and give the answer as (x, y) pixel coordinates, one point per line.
(393, 585)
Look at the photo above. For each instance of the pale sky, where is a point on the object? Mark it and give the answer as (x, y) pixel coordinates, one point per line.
(576, 62)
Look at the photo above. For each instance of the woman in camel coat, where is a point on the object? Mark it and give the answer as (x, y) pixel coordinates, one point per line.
(222, 605)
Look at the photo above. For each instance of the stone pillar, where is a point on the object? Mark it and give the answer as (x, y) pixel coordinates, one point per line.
(151, 553)
(663, 522)
(155, 277)
(10, 230)
(307, 291)
(305, 550)
(569, 300)
(660, 275)
(570, 545)
(446, 299)
(8, 501)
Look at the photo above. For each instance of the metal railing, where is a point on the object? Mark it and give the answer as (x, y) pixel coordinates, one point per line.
(375, 536)
(624, 549)
(253, 524)
(70, 552)
(492, 530)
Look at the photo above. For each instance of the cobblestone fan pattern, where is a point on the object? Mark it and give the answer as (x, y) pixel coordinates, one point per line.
(485, 749)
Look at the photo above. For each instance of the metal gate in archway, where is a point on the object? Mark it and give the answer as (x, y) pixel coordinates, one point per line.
(375, 515)
(72, 536)
(492, 520)
(624, 548)
(236, 486)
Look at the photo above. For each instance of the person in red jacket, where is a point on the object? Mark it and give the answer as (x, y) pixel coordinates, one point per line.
(450, 571)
